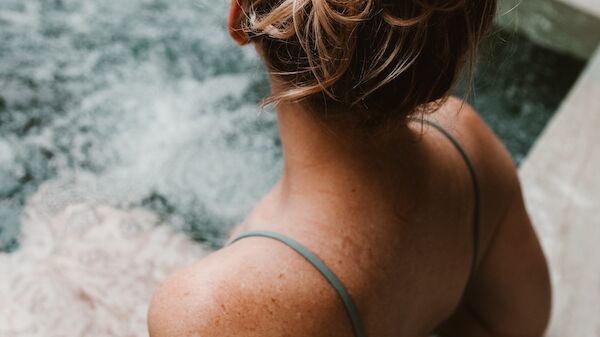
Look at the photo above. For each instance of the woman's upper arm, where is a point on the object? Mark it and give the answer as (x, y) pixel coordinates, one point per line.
(509, 294)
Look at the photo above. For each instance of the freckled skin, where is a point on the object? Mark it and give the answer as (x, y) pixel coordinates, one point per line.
(408, 276)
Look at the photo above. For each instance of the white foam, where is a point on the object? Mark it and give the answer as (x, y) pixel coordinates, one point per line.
(85, 269)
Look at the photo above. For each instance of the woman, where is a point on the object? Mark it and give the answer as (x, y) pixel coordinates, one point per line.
(398, 212)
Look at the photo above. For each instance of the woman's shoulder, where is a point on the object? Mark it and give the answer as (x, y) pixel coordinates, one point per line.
(495, 169)
(493, 164)
(251, 288)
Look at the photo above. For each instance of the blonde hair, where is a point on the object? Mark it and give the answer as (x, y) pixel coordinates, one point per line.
(382, 58)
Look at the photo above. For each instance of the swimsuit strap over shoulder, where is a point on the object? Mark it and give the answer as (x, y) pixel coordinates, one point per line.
(322, 268)
(349, 305)
(476, 190)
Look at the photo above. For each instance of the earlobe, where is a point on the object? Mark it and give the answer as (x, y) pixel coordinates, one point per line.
(235, 18)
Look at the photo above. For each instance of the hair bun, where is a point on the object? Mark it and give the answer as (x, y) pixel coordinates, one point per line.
(367, 53)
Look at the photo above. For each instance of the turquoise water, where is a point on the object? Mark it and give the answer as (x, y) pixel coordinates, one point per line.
(519, 87)
(147, 103)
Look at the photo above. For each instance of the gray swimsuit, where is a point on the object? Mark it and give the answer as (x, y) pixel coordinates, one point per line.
(351, 309)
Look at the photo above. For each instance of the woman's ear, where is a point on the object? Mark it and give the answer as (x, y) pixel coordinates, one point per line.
(235, 23)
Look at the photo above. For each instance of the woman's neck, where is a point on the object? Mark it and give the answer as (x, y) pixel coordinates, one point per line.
(329, 160)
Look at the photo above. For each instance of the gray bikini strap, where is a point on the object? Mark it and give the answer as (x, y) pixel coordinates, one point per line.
(476, 189)
(321, 267)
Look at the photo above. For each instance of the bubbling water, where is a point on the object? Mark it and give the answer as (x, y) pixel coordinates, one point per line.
(150, 97)
(153, 100)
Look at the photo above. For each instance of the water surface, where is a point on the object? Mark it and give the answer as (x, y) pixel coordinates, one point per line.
(148, 103)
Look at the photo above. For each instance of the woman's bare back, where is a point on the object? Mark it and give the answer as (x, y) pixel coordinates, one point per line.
(400, 238)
